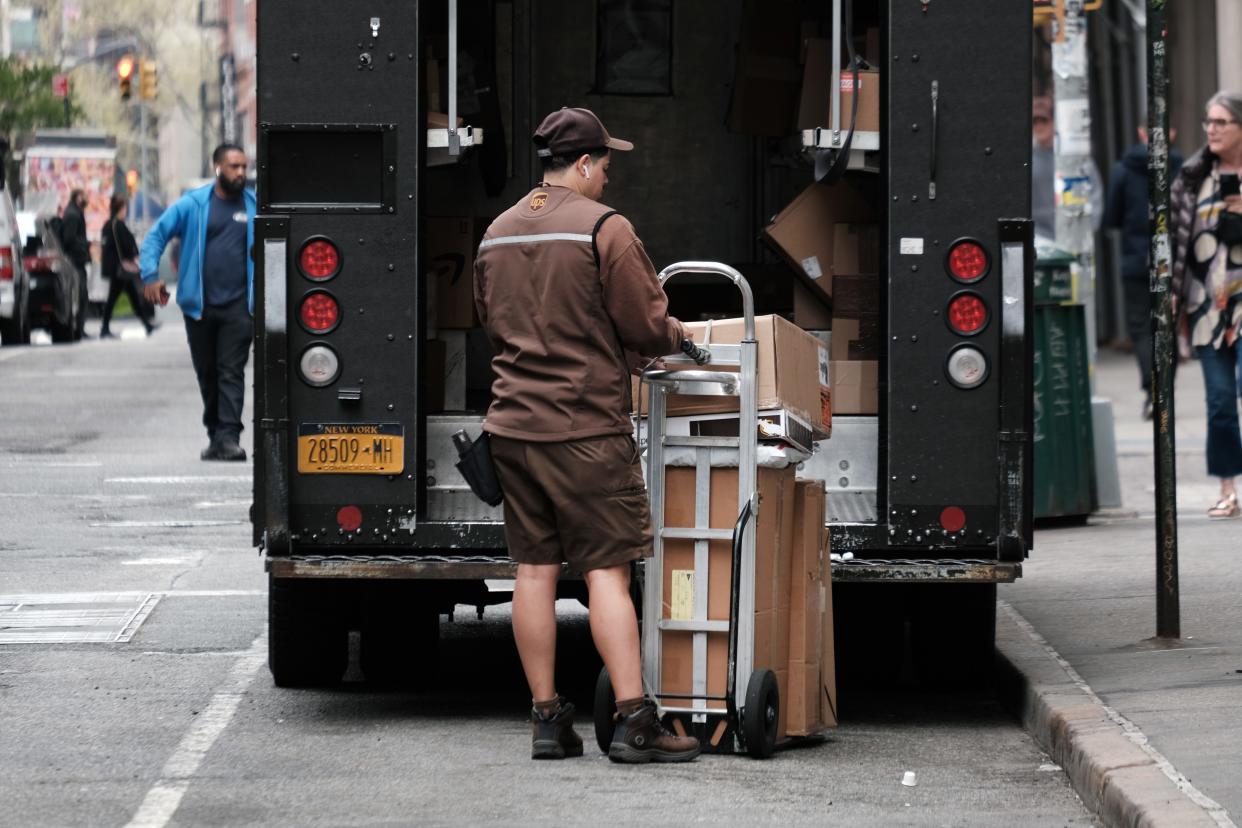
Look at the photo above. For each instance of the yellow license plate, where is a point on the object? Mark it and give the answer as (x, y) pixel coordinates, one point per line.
(351, 448)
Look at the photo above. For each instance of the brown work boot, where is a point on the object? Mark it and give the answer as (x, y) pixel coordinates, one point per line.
(641, 737)
(552, 733)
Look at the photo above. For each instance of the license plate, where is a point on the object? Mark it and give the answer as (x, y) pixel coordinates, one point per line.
(351, 448)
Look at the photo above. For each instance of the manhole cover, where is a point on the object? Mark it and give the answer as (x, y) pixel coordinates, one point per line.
(73, 618)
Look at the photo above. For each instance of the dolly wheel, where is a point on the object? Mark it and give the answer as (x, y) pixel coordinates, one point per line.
(762, 713)
(605, 705)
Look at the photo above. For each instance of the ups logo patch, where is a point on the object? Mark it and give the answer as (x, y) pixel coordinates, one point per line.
(537, 200)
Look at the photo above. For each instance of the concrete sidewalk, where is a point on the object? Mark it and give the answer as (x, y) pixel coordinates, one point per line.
(1148, 731)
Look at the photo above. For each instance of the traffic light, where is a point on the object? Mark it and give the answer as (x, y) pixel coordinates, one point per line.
(131, 182)
(148, 80)
(125, 75)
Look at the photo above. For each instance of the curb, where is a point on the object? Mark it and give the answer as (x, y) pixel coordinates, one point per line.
(1102, 754)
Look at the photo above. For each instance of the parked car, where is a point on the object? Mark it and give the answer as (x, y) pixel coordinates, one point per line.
(53, 281)
(14, 283)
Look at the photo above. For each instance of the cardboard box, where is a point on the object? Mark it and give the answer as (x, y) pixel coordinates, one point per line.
(810, 312)
(855, 386)
(855, 297)
(811, 703)
(792, 372)
(855, 250)
(451, 244)
(804, 232)
(856, 339)
(815, 102)
(767, 77)
(773, 568)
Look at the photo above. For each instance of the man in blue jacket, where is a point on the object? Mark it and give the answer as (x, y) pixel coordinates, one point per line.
(215, 291)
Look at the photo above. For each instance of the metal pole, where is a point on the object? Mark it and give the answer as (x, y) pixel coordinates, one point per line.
(142, 163)
(1164, 340)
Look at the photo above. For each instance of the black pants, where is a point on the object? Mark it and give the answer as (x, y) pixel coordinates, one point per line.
(1139, 325)
(84, 300)
(219, 347)
(125, 283)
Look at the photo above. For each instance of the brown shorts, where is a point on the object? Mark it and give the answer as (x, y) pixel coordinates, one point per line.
(583, 502)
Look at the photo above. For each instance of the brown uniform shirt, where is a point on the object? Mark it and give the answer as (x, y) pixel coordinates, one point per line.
(561, 323)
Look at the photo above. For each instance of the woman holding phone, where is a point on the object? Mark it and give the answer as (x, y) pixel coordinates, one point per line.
(1206, 209)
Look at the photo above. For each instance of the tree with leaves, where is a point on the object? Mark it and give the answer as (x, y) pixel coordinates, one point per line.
(26, 99)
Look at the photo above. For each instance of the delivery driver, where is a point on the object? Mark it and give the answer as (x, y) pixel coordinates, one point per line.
(568, 297)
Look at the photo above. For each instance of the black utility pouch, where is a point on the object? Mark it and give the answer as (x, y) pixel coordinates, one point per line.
(476, 466)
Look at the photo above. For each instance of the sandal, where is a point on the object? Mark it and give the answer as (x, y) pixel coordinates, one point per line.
(1226, 507)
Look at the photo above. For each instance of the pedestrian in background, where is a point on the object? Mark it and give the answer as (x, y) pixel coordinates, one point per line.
(1206, 213)
(119, 265)
(78, 249)
(1126, 211)
(215, 224)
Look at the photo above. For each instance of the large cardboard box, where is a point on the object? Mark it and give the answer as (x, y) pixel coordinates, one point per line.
(811, 703)
(815, 103)
(792, 372)
(774, 539)
(451, 244)
(804, 233)
(855, 386)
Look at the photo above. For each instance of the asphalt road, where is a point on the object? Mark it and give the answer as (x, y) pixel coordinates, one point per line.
(114, 532)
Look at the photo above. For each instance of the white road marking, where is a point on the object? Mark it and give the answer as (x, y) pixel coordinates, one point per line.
(132, 333)
(5, 356)
(105, 597)
(164, 797)
(162, 524)
(200, 478)
(1131, 730)
(159, 562)
(54, 464)
(220, 504)
(103, 498)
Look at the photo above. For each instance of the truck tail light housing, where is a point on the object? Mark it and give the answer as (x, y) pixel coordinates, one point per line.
(967, 314)
(319, 259)
(40, 264)
(967, 261)
(966, 367)
(319, 366)
(6, 264)
(319, 312)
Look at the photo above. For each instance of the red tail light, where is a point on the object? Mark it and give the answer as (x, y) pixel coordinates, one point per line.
(319, 260)
(320, 312)
(952, 519)
(968, 314)
(968, 261)
(6, 264)
(39, 264)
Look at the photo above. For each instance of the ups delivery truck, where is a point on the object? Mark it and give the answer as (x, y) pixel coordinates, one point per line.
(370, 210)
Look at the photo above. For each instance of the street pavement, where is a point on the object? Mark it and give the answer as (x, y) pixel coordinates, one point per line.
(112, 529)
(1090, 592)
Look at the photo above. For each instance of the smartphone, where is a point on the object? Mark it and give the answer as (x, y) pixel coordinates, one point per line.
(1229, 185)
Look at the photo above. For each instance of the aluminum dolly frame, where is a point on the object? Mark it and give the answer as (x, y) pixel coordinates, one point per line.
(752, 698)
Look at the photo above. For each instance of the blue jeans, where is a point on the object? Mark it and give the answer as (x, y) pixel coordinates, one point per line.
(1224, 440)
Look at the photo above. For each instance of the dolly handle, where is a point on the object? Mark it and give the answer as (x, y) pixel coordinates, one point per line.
(701, 356)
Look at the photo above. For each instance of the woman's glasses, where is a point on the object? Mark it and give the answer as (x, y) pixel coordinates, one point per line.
(1210, 124)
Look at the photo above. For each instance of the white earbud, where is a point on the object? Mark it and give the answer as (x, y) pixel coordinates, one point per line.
(217, 172)
(586, 172)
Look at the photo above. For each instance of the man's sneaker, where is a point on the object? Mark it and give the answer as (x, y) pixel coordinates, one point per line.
(211, 452)
(641, 737)
(553, 736)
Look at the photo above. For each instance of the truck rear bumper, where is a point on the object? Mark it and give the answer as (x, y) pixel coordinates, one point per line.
(480, 567)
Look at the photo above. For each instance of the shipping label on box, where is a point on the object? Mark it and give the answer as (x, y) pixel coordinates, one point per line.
(803, 233)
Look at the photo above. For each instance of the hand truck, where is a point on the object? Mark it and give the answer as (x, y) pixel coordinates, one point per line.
(751, 725)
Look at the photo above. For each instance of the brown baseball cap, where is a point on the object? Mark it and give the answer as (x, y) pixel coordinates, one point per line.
(571, 129)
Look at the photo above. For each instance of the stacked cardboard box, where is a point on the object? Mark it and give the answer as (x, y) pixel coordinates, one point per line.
(792, 618)
(792, 373)
(457, 367)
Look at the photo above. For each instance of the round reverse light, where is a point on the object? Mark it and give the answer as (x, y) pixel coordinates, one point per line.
(319, 366)
(967, 367)
(967, 314)
(319, 312)
(319, 260)
(968, 261)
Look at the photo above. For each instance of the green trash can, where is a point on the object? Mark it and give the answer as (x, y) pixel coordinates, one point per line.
(1065, 484)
